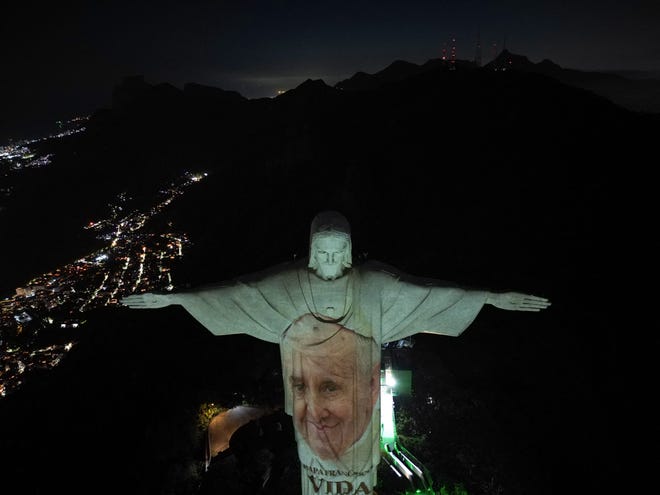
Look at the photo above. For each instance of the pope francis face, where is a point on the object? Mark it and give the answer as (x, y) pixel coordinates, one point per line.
(333, 392)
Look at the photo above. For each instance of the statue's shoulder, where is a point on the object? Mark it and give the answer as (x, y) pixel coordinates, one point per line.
(373, 269)
(380, 272)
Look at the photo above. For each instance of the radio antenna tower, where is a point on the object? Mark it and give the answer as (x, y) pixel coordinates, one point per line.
(453, 54)
(477, 55)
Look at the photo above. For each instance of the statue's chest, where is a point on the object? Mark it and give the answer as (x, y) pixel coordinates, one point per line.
(330, 299)
(333, 304)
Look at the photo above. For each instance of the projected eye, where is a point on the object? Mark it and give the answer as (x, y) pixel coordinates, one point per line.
(298, 388)
(329, 387)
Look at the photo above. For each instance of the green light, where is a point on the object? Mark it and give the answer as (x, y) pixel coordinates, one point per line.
(388, 433)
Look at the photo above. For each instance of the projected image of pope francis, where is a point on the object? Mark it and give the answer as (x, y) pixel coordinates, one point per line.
(333, 379)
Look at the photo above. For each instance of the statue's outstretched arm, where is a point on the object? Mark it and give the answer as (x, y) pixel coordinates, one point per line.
(220, 308)
(149, 300)
(517, 301)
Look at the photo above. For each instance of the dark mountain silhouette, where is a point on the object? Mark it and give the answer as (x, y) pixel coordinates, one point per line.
(633, 93)
(502, 179)
(399, 70)
(135, 89)
(642, 95)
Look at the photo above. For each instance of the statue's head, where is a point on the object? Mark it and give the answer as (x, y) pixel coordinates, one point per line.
(330, 245)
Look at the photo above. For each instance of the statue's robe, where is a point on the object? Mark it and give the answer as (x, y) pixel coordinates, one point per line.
(371, 299)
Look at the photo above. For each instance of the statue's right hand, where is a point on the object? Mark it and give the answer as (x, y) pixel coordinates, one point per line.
(146, 300)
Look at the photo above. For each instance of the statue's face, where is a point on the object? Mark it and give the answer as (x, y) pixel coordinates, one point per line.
(329, 254)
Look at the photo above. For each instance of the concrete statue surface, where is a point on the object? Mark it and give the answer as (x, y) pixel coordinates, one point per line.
(330, 318)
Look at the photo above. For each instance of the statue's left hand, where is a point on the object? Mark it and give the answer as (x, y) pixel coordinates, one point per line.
(517, 301)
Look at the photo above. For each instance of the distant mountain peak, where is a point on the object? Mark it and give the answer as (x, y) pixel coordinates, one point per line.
(506, 59)
(312, 84)
(211, 93)
(309, 90)
(547, 63)
(398, 71)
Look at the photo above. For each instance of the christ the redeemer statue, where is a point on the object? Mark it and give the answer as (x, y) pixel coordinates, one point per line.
(330, 319)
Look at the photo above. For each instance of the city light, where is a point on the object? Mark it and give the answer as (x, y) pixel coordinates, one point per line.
(135, 259)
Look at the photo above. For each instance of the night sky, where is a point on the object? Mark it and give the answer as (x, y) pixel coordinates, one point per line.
(62, 59)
